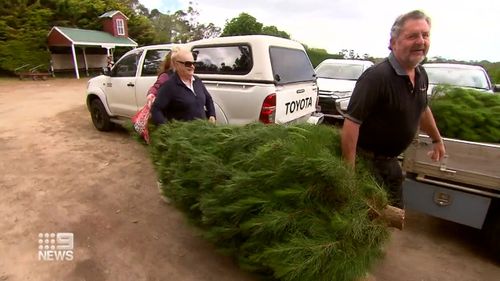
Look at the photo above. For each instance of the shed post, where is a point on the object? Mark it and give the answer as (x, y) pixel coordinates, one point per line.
(74, 61)
(85, 61)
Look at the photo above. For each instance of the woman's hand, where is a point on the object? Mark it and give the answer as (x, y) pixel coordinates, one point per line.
(150, 99)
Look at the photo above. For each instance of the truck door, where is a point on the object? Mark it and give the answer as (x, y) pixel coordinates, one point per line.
(121, 86)
(149, 72)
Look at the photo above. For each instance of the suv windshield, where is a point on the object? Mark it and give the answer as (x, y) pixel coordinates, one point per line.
(472, 78)
(340, 71)
(290, 65)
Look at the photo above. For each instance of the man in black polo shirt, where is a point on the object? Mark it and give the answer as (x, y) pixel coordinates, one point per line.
(389, 104)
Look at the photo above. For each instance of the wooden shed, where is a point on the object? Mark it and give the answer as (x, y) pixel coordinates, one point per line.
(82, 49)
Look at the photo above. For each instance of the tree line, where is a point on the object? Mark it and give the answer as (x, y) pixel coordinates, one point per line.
(25, 24)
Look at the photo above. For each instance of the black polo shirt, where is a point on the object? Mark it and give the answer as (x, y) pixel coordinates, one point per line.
(388, 107)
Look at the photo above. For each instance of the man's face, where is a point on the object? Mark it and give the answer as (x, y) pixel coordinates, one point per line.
(412, 44)
(184, 64)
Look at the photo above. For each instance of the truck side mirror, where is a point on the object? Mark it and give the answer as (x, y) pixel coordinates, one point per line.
(106, 71)
(496, 88)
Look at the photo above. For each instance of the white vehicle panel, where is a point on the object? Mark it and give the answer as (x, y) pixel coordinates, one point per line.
(294, 102)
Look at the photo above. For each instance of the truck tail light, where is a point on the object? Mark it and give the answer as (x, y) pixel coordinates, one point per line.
(268, 110)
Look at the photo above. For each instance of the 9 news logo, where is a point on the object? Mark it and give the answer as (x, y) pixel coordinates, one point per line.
(55, 246)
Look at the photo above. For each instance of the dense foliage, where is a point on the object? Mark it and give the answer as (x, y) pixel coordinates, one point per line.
(318, 55)
(245, 24)
(25, 24)
(277, 198)
(493, 71)
(467, 114)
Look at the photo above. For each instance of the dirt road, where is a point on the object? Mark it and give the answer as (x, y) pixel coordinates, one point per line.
(58, 174)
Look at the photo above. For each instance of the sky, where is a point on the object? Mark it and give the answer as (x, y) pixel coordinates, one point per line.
(461, 29)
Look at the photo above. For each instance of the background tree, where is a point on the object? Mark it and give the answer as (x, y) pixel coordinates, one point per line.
(318, 55)
(141, 30)
(244, 24)
(187, 28)
(273, 31)
(163, 25)
(494, 71)
(202, 31)
(23, 31)
(24, 25)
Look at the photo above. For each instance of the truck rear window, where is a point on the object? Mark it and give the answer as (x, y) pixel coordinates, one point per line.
(235, 60)
(290, 65)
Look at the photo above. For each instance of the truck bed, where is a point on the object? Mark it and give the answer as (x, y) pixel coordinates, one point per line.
(469, 166)
(459, 188)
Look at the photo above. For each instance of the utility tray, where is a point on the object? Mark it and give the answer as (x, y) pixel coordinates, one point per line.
(468, 166)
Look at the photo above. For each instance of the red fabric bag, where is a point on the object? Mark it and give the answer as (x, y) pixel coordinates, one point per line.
(141, 119)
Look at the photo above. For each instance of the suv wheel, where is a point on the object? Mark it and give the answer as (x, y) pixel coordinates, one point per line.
(100, 117)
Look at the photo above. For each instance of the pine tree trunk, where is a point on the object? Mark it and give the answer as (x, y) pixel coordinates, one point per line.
(394, 216)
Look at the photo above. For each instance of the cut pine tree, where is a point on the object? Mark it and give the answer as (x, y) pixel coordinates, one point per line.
(277, 198)
(466, 114)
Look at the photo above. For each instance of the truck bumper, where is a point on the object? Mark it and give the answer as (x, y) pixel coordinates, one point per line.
(316, 118)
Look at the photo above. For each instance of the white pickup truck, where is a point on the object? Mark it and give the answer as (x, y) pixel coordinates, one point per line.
(251, 78)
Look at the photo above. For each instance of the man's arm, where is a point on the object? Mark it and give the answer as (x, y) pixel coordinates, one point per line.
(428, 125)
(349, 139)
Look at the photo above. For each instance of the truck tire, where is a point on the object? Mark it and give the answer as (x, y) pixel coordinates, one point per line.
(100, 117)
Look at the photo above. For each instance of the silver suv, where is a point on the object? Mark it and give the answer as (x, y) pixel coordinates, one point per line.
(459, 75)
(336, 81)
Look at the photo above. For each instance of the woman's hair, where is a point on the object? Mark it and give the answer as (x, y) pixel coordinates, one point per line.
(180, 51)
(166, 64)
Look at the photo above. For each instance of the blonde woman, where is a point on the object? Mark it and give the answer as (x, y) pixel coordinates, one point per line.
(184, 96)
(141, 118)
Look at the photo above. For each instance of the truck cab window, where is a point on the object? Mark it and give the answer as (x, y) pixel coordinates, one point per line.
(127, 66)
(152, 61)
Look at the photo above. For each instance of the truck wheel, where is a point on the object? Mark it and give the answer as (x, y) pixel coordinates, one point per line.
(100, 117)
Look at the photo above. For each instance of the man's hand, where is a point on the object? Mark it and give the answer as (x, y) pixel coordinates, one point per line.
(437, 152)
(428, 125)
(211, 119)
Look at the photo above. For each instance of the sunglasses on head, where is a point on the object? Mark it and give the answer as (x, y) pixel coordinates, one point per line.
(187, 63)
